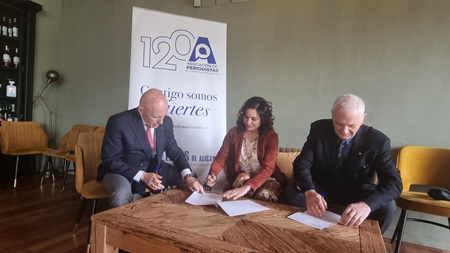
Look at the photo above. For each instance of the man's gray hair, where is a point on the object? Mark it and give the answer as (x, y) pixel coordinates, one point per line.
(349, 102)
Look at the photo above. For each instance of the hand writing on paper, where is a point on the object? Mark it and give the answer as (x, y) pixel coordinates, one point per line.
(315, 203)
(210, 180)
(206, 187)
(355, 214)
(152, 180)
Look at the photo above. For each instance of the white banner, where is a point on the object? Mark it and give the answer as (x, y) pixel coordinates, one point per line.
(186, 59)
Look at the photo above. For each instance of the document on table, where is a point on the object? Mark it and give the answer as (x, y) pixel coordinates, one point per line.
(203, 199)
(240, 207)
(327, 220)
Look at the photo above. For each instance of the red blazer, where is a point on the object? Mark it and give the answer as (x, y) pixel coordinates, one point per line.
(267, 152)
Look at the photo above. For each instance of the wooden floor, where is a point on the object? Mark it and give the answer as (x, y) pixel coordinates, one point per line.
(35, 218)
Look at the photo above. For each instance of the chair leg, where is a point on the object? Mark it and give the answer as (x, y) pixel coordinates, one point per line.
(394, 235)
(401, 226)
(51, 169)
(80, 214)
(45, 168)
(15, 174)
(33, 163)
(47, 165)
(66, 170)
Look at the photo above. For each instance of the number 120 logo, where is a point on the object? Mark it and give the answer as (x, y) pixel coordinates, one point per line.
(165, 52)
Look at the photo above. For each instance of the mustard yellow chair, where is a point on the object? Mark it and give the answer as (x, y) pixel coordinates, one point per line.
(422, 168)
(100, 130)
(285, 160)
(22, 138)
(87, 161)
(64, 151)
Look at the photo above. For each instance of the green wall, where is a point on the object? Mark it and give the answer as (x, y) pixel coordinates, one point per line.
(299, 54)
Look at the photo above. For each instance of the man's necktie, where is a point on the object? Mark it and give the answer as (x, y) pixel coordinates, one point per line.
(150, 137)
(341, 152)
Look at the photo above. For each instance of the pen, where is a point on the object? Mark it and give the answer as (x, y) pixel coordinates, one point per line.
(147, 188)
(205, 186)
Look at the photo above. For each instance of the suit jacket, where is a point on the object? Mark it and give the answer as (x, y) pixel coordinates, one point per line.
(369, 159)
(126, 148)
(267, 152)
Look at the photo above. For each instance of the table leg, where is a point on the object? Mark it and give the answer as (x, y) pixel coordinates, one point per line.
(98, 241)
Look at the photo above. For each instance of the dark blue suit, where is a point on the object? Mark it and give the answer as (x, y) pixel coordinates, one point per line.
(126, 150)
(367, 175)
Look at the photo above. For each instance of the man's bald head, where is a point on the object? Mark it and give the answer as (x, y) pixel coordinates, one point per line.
(153, 107)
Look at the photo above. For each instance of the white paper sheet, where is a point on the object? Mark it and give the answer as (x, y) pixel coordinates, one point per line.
(327, 220)
(240, 207)
(203, 199)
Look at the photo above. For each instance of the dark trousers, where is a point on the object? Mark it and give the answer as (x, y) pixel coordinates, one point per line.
(383, 215)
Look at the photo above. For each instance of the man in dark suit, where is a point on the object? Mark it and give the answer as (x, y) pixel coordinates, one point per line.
(348, 164)
(133, 148)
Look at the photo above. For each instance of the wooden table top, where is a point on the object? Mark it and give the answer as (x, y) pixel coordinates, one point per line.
(165, 223)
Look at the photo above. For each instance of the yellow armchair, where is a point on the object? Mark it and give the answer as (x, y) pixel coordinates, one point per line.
(22, 138)
(422, 168)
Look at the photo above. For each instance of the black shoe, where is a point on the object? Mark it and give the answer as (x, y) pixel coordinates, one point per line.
(439, 194)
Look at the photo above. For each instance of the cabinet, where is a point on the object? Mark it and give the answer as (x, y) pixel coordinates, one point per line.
(17, 39)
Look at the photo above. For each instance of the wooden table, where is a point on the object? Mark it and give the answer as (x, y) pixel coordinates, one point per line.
(165, 223)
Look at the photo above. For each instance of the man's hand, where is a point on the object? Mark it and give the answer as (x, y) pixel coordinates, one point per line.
(315, 203)
(355, 214)
(237, 193)
(152, 180)
(194, 184)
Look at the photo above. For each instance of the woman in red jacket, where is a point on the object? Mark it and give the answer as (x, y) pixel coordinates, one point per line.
(249, 152)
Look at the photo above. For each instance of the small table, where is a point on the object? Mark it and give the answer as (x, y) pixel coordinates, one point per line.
(165, 223)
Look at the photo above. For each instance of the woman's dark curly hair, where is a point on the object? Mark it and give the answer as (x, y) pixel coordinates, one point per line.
(264, 109)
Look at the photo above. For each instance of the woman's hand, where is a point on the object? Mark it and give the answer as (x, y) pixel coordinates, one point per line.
(210, 180)
(237, 193)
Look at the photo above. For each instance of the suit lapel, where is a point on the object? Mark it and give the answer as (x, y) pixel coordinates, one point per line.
(356, 150)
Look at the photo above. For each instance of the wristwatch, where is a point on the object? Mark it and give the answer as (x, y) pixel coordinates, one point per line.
(192, 174)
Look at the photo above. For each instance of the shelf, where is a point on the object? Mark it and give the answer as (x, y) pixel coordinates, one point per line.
(7, 98)
(24, 13)
(9, 68)
(15, 40)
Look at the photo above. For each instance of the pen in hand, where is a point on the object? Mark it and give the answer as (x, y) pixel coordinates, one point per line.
(205, 186)
(323, 201)
(158, 177)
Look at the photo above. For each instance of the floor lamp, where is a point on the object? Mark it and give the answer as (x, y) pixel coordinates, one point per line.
(52, 76)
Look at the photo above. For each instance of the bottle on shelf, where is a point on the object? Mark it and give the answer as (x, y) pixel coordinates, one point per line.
(4, 27)
(15, 30)
(6, 57)
(5, 111)
(11, 89)
(16, 58)
(10, 33)
(13, 112)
